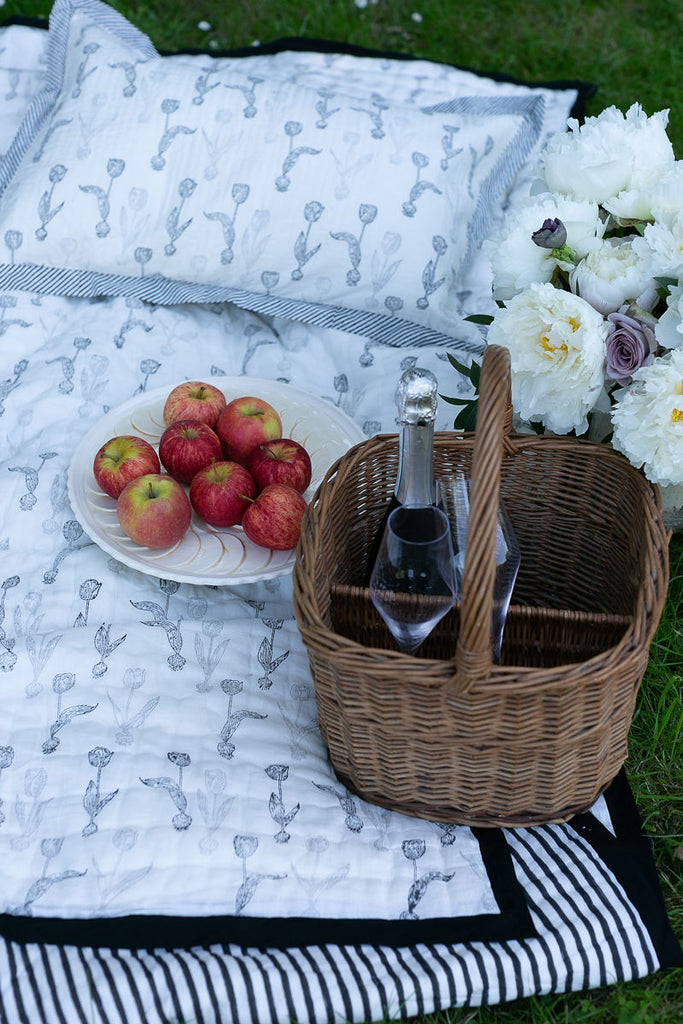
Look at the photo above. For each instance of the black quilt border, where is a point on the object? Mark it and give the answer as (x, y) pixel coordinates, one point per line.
(158, 931)
(628, 855)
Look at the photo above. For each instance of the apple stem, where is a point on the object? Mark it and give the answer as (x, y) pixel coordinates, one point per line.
(246, 498)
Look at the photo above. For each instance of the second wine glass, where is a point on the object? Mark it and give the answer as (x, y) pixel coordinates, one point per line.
(412, 584)
(454, 498)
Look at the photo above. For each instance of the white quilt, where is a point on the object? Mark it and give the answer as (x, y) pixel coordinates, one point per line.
(174, 726)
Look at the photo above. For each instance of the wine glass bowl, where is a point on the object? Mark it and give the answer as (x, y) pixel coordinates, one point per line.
(412, 583)
(453, 498)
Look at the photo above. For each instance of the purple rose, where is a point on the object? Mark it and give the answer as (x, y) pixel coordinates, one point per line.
(630, 344)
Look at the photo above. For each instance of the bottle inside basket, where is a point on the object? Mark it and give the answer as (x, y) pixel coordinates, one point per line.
(416, 401)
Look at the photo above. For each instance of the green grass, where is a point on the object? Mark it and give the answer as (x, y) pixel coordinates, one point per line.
(631, 52)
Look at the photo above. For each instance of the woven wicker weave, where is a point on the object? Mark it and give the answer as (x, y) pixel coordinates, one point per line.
(446, 734)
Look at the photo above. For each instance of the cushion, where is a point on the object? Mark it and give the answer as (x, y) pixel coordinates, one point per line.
(147, 175)
(22, 74)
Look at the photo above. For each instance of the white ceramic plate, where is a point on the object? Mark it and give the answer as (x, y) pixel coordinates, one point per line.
(205, 555)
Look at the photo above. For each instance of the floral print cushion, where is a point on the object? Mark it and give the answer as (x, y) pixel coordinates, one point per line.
(183, 183)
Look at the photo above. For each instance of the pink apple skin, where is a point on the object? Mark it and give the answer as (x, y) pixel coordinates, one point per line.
(154, 510)
(194, 400)
(244, 423)
(220, 493)
(282, 461)
(122, 459)
(188, 446)
(273, 519)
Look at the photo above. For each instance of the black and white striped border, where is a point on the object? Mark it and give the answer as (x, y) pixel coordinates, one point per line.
(589, 934)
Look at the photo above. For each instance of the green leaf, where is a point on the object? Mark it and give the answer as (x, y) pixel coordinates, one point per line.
(667, 282)
(467, 417)
(479, 318)
(460, 367)
(455, 401)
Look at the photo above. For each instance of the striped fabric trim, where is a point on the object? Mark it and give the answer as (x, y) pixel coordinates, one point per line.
(591, 925)
(385, 330)
(589, 934)
(508, 163)
(43, 103)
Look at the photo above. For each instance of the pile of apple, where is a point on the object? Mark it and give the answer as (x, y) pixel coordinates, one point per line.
(231, 457)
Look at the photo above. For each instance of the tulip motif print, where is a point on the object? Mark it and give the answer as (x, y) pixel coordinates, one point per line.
(240, 194)
(62, 683)
(174, 228)
(225, 747)
(182, 820)
(115, 169)
(280, 773)
(420, 161)
(367, 213)
(292, 129)
(245, 846)
(94, 801)
(312, 214)
(413, 850)
(50, 849)
(169, 133)
(160, 618)
(45, 209)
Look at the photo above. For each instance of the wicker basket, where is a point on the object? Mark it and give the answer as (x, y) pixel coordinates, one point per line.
(446, 734)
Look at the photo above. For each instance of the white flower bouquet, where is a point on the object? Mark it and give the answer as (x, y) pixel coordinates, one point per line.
(588, 278)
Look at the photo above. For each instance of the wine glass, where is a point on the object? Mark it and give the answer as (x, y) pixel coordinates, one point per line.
(412, 584)
(454, 499)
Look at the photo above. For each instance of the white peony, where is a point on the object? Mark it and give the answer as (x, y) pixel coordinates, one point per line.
(669, 327)
(662, 243)
(648, 420)
(666, 195)
(608, 155)
(650, 198)
(613, 274)
(631, 204)
(516, 260)
(557, 352)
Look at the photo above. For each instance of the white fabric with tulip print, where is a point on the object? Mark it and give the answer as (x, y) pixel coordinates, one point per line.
(159, 738)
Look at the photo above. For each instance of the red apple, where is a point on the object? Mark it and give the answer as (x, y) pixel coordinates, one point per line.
(244, 423)
(220, 493)
(273, 518)
(281, 461)
(194, 400)
(188, 446)
(154, 510)
(122, 459)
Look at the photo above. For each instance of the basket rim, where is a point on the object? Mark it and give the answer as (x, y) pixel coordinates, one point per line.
(511, 678)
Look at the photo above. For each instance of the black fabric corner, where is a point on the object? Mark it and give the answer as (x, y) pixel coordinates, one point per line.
(630, 857)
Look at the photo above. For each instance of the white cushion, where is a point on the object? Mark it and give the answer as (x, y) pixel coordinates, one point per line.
(138, 174)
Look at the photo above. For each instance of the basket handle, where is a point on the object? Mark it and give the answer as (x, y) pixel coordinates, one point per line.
(473, 657)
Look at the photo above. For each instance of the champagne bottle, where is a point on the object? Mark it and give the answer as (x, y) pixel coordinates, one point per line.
(416, 401)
